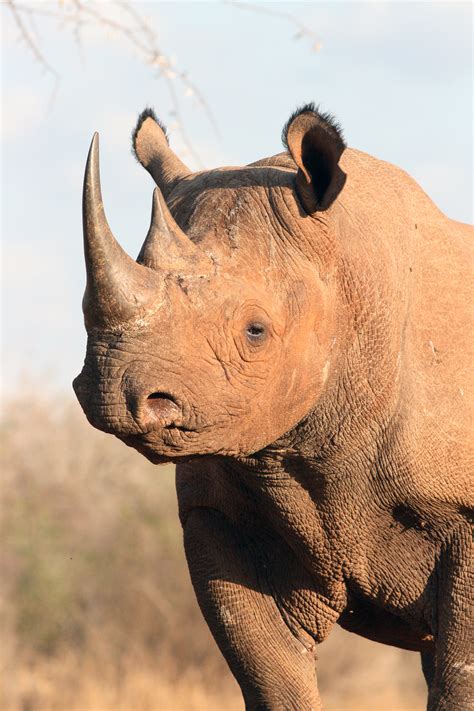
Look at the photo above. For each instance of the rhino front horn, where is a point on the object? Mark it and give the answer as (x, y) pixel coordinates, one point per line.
(116, 285)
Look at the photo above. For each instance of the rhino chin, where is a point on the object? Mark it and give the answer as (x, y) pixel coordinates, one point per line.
(160, 447)
(152, 456)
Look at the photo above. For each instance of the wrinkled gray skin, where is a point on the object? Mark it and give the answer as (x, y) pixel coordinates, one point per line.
(296, 339)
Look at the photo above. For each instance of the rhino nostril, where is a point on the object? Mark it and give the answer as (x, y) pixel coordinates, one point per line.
(162, 406)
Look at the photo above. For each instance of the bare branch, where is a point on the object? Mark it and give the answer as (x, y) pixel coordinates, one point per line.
(78, 14)
(32, 45)
(132, 26)
(302, 29)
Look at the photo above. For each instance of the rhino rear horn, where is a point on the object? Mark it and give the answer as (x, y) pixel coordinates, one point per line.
(166, 247)
(151, 147)
(316, 144)
(116, 285)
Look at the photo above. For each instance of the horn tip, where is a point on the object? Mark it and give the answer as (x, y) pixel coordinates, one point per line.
(95, 142)
(157, 197)
(157, 205)
(93, 149)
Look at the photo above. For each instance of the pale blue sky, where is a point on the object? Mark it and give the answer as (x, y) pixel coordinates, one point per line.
(397, 75)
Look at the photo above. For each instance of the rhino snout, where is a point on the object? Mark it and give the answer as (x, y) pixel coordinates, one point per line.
(130, 407)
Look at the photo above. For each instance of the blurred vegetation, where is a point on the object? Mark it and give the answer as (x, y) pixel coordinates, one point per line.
(98, 613)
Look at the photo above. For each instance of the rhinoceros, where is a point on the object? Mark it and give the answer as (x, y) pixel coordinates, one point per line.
(295, 336)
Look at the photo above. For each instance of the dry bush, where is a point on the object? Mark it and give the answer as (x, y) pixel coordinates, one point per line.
(97, 608)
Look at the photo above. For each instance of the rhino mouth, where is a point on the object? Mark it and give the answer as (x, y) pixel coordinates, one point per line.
(160, 447)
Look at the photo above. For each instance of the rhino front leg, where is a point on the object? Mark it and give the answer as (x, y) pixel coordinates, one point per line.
(452, 685)
(274, 669)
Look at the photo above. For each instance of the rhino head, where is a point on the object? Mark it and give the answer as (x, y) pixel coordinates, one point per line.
(217, 339)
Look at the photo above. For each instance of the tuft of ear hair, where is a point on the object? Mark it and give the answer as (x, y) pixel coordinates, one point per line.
(328, 122)
(315, 141)
(147, 112)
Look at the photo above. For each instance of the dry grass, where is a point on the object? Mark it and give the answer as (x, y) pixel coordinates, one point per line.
(98, 613)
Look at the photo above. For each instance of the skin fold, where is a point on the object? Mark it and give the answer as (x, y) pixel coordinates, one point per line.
(297, 336)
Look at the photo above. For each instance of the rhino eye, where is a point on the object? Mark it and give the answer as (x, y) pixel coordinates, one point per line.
(256, 332)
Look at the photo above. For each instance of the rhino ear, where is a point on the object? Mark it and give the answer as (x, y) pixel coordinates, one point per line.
(152, 150)
(316, 144)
